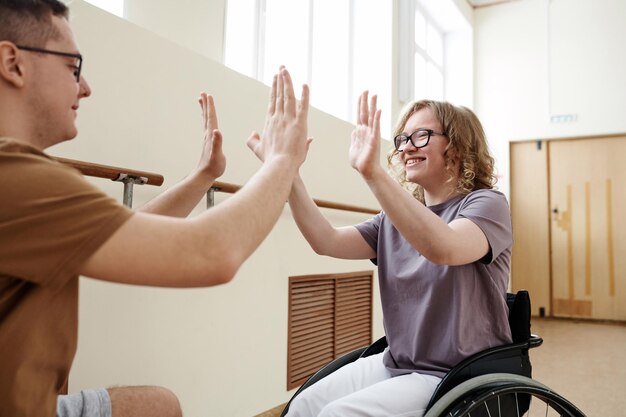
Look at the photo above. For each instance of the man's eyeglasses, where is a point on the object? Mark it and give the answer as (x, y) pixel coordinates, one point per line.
(78, 57)
(419, 139)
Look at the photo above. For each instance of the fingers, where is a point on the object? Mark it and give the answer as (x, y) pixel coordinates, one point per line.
(280, 98)
(376, 123)
(253, 141)
(202, 100)
(372, 110)
(212, 119)
(256, 145)
(209, 115)
(289, 96)
(363, 113)
(272, 104)
(303, 108)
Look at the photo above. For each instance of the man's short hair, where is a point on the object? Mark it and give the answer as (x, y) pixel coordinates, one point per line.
(29, 22)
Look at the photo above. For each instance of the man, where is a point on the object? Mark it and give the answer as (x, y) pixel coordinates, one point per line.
(54, 226)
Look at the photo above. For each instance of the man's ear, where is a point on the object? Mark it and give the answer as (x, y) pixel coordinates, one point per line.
(11, 65)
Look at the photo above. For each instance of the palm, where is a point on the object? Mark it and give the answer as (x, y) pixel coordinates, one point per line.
(212, 161)
(285, 130)
(365, 145)
(363, 148)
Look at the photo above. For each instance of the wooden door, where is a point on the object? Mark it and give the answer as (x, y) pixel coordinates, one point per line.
(530, 260)
(588, 229)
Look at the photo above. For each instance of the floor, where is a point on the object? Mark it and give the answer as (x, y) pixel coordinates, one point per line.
(583, 361)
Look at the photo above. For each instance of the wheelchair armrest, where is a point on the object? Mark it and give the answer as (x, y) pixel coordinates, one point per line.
(534, 341)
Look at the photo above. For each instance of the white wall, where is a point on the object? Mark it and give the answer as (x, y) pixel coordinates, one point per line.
(525, 73)
(222, 350)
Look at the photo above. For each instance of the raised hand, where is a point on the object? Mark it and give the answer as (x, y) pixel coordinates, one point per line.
(365, 145)
(212, 160)
(285, 130)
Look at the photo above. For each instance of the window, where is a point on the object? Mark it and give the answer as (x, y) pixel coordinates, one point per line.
(115, 7)
(329, 315)
(435, 42)
(338, 47)
(424, 42)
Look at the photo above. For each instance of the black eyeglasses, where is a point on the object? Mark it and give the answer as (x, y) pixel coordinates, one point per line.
(78, 57)
(419, 138)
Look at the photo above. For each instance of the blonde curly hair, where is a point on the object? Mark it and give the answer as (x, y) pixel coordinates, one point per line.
(467, 154)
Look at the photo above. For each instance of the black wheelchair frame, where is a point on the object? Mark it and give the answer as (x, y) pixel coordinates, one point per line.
(493, 382)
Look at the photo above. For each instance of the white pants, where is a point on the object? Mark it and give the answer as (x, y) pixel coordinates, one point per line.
(365, 388)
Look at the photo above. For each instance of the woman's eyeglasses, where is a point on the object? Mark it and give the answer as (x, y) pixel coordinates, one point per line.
(419, 139)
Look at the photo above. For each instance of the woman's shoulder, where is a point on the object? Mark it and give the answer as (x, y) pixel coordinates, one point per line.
(486, 194)
(485, 201)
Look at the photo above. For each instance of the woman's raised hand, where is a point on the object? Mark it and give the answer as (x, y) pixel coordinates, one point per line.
(365, 143)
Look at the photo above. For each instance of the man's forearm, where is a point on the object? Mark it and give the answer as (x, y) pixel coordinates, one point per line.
(245, 219)
(181, 199)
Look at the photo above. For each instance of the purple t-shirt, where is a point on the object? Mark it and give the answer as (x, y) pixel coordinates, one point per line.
(437, 315)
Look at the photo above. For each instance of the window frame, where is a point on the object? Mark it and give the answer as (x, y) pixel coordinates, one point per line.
(409, 48)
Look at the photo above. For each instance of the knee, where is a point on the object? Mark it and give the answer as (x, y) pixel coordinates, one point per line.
(169, 403)
(298, 407)
(304, 404)
(146, 401)
(310, 405)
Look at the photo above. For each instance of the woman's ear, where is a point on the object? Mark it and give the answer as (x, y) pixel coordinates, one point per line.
(11, 66)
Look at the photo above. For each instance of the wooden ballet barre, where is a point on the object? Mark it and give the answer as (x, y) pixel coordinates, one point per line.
(111, 172)
(233, 188)
(129, 177)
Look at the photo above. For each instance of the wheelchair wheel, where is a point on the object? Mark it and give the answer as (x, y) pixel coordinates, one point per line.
(502, 395)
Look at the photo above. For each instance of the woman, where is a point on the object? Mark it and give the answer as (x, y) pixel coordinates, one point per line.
(443, 252)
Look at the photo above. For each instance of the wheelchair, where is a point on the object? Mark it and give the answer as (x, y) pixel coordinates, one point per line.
(492, 383)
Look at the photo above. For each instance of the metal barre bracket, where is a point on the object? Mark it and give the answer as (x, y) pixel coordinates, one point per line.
(129, 181)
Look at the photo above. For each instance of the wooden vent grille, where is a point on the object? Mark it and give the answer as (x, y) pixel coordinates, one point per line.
(329, 315)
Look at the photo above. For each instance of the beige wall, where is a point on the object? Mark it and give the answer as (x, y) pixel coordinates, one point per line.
(222, 350)
(195, 24)
(524, 73)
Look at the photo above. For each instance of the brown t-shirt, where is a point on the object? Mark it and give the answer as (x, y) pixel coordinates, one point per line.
(51, 222)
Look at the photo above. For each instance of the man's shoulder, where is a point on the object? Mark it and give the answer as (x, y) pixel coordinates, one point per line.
(10, 145)
(20, 158)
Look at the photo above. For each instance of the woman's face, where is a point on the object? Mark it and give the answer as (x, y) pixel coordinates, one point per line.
(425, 166)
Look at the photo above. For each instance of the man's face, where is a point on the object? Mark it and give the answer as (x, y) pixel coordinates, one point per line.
(54, 92)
